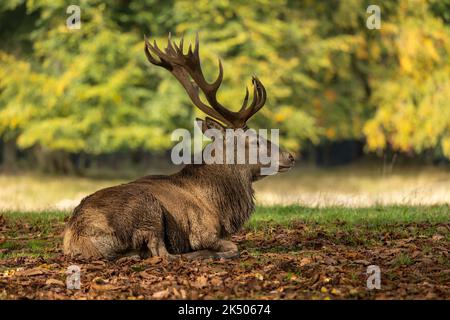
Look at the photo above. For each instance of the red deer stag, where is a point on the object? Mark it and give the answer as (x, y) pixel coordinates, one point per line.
(191, 213)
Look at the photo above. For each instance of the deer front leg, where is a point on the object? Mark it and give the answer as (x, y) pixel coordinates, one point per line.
(157, 247)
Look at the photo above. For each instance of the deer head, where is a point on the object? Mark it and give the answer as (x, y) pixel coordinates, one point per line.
(186, 68)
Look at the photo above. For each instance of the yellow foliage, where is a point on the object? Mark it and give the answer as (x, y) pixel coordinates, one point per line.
(375, 137)
(406, 64)
(283, 114)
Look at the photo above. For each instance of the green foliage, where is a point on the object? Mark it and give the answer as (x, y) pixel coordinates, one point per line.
(328, 76)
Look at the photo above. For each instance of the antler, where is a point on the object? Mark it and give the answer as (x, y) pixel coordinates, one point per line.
(187, 66)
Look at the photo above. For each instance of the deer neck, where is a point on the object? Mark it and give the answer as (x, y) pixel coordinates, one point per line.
(229, 189)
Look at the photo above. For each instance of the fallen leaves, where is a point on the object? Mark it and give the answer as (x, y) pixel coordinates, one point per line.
(152, 260)
(302, 262)
(200, 282)
(30, 272)
(215, 281)
(363, 262)
(259, 276)
(55, 282)
(305, 261)
(101, 284)
(437, 237)
(104, 287)
(163, 294)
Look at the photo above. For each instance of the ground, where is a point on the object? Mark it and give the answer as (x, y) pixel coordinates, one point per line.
(287, 252)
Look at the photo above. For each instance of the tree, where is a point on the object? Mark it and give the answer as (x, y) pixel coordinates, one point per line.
(328, 77)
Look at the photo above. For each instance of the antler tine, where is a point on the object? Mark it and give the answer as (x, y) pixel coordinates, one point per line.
(197, 47)
(147, 52)
(169, 49)
(179, 48)
(158, 51)
(167, 56)
(263, 95)
(258, 101)
(150, 58)
(216, 84)
(181, 43)
(244, 103)
(246, 110)
(261, 100)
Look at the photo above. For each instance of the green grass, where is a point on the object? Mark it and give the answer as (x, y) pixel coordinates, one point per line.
(372, 216)
(285, 215)
(31, 234)
(403, 260)
(35, 217)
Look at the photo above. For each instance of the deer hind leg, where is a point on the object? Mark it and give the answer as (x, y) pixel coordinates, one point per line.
(222, 249)
(227, 249)
(200, 254)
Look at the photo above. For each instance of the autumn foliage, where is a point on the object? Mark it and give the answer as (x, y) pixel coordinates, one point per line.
(328, 76)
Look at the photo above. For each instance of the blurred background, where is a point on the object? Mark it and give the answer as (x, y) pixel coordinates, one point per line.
(367, 112)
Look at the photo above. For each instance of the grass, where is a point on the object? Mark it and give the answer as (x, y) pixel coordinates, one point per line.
(403, 260)
(41, 218)
(372, 216)
(285, 215)
(31, 234)
(28, 232)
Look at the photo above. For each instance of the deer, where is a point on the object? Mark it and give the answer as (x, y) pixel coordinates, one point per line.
(189, 214)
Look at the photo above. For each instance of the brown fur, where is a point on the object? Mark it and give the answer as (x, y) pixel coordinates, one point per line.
(189, 211)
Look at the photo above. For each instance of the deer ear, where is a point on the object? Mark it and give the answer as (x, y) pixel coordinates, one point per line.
(210, 123)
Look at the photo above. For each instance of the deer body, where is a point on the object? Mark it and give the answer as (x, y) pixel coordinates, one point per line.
(195, 209)
(190, 213)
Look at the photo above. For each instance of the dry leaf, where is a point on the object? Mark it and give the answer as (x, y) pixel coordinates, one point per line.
(30, 272)
(201, 282)
(305, 261)
(161, 294)
(259, 276)
(55, 282)
(152, 260)
(364, 262)
(104, 287)
(216, 281)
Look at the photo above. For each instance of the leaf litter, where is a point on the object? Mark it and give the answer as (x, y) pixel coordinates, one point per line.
(300, 261)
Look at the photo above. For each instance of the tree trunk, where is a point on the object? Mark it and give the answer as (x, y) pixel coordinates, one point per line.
(53, 161)
(9, 152)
